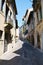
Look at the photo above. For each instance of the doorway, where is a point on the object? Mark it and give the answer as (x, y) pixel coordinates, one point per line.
(7, 40)
(32, 39)
(38, 40)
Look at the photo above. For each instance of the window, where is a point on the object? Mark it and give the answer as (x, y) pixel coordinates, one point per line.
(1, 34)
(7, 10)
(26, 32)
(10, 13)
(2, 3)
(16, 24)
(39, 14)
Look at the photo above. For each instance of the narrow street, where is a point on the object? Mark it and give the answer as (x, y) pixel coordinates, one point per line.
(28, 55)
(21, 32)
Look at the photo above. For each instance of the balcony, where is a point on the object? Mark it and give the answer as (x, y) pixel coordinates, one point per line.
(9, 23)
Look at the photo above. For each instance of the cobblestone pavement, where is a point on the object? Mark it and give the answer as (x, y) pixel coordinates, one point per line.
(28, 56)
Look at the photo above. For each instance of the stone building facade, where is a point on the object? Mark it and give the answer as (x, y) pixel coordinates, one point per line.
(8, 12)
(38, 16)
(29, 20)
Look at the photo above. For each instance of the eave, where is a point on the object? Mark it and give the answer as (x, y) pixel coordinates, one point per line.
(12, 3)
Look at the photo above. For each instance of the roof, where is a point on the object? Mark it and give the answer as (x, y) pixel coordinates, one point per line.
(25, 18)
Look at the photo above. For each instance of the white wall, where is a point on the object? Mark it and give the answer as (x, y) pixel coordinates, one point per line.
(17, 32)
(2, 19)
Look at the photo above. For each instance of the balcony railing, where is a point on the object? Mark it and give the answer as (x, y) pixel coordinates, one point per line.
(9, 23)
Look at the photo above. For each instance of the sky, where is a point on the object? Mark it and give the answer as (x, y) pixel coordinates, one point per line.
(22, 6)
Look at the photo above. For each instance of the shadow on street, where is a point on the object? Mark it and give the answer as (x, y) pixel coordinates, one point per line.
(28, 56)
